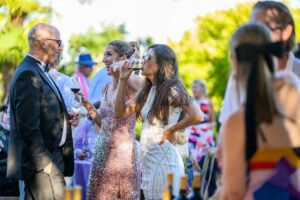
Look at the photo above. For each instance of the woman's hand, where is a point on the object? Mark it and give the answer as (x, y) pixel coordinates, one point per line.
(74, 118)
(125, 70)
(81, 154)
(85, 103)
(168, 135)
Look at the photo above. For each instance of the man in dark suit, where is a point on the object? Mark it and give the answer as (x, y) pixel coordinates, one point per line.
(41, 146)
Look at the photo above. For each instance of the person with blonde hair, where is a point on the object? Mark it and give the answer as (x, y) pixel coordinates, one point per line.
(201, 136)
(260, 141)
(115, 172)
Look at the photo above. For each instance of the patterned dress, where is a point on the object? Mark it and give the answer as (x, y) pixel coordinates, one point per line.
(274, 174)
(200, 136)
(159, 160)
(115, 172)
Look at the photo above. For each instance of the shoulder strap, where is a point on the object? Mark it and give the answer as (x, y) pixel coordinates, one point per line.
(105, 89)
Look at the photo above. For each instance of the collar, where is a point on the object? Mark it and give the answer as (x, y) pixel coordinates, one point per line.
(42, 65)
(289, 64)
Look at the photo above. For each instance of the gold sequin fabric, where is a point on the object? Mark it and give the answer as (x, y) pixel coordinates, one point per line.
(116, 170)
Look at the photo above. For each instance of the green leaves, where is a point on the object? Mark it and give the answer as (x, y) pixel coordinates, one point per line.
(203, 53)
(16, 18)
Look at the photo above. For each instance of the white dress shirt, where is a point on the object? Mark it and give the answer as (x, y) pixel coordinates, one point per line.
(232, 102)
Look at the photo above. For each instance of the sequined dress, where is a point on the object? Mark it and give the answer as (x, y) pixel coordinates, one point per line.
(115, 172)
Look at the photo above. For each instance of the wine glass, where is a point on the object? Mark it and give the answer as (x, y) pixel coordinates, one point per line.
(135, 66)
(75, 86)
(86, 148)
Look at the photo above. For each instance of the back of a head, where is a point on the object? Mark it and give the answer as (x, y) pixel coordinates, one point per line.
(248, 34)
(123, 48)
(282, 17)
(250, 47)
(135, 44)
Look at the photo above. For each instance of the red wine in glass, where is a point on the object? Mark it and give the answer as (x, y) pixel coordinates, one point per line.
(75, 90)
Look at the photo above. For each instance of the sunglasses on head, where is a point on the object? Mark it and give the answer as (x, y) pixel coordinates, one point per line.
(59, 42)
(146, 58)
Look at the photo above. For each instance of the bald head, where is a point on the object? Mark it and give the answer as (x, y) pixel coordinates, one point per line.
(41, 31)
(45, 43)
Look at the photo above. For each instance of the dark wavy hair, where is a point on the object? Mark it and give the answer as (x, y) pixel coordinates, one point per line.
(166, 78)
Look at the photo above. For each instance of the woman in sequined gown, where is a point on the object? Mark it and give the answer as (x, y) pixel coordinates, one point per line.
(115, 172)
(162, 104)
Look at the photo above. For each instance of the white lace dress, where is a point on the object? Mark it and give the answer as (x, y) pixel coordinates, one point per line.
(158, 160)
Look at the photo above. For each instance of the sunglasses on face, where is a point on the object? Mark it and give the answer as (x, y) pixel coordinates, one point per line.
(274, 28)
(59, 42)
(146, 58)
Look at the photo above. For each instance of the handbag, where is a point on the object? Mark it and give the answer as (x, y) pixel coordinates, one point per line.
(181, 137)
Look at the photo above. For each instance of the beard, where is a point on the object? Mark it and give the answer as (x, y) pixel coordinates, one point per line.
(56, 60)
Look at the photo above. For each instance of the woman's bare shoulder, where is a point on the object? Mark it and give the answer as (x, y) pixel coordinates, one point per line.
(234, 125)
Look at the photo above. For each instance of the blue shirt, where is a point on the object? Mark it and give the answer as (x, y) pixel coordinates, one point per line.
(98, 82)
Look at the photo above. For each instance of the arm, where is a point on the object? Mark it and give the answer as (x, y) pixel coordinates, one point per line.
(135, 83)
(233, 158)
(124, 109)
(212, 116)
(194, 115)
(92, 112)
(27, 102)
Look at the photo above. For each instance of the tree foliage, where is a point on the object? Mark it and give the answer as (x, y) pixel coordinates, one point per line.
(93, 42)
(203, 51)
(16, 17)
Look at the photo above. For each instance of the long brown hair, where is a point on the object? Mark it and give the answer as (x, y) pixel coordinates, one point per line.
(166, 78)
(252, 46)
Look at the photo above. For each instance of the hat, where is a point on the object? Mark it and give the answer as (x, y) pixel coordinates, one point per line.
(86, 60)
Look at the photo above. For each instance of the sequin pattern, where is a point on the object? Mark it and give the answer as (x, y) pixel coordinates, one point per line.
(115, 172)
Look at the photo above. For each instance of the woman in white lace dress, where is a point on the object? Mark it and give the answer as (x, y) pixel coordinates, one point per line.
(164, 107)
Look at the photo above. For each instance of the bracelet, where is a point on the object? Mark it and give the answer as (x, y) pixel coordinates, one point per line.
(91, 110)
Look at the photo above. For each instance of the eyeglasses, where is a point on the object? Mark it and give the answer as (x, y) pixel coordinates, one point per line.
(146, 58)
(59, 42)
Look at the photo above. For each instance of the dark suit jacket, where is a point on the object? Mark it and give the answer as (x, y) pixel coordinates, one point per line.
(36, 121)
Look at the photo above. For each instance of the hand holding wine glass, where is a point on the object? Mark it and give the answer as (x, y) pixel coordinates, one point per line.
(126, 70)
(132, 63)
(75, 87)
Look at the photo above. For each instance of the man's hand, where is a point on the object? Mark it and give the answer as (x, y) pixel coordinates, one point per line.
(48, 168)
(74, 118)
